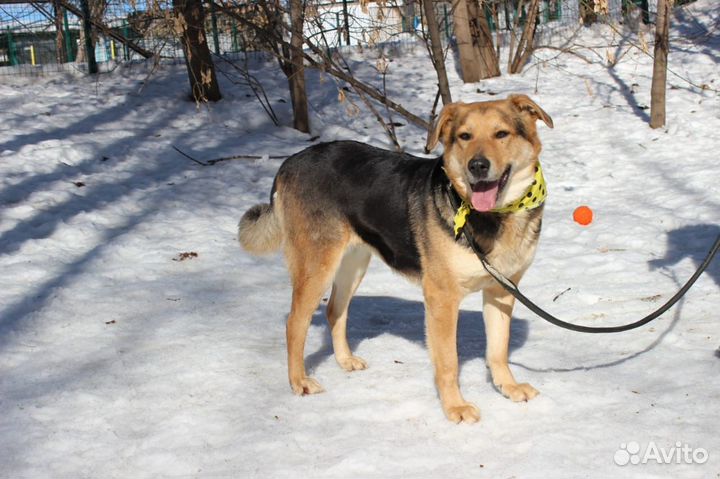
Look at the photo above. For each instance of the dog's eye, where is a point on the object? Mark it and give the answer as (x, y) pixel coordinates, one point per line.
(465, 136)
(501, 134)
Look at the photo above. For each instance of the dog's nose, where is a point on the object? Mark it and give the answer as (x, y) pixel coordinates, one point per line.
(479, 167)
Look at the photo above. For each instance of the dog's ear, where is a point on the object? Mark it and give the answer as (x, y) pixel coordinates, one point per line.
(525, 104)
(441, 132)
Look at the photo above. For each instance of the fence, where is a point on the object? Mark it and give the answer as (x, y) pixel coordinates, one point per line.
(50, 35)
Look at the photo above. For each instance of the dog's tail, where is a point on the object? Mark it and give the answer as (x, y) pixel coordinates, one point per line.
(259, 230)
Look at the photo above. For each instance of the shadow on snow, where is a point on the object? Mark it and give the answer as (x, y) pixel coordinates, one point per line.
(372, 316)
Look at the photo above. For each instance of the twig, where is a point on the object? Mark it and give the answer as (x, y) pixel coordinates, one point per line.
(156, 64)
(562, 51)
(391, 124)
(387, 126)
(188, 156)
(560, 294)
(246, 157)
(380, 119)
(690, 82)
(228, 158)
(253, 84)
(432, 120)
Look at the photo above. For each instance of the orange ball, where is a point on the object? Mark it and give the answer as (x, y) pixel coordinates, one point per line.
(583, 215)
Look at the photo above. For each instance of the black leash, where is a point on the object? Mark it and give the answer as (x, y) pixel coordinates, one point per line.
(513, 289)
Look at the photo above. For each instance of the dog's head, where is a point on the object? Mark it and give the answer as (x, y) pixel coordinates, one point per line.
(491, 148)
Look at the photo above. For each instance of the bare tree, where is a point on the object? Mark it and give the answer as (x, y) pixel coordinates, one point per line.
(436, 51)
(526, 45)
(271, 31)
(659, 79)
(190, 26)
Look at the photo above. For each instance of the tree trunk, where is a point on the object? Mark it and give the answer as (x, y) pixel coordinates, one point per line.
(298, 94)
(662, 45)
(588, 16)
(513, 30)
(94, 10)
(346, 23)
(526, 46)
(482, 41)
(86, 47)
(436, 50)
(60, 53)
(469, 62)
(201, 69)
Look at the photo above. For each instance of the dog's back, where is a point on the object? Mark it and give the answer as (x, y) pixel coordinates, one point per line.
(345, 184)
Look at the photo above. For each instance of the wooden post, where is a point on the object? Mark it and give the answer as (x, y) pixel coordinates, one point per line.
(659, 78)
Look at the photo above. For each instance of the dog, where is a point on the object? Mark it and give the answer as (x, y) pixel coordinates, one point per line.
(334, 204)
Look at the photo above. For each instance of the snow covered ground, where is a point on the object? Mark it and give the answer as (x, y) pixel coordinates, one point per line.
(123, 354)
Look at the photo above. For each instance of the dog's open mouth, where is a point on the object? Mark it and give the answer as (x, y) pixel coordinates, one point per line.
(485, 193)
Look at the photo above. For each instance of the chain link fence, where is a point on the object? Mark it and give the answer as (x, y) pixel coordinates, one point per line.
(49, 35)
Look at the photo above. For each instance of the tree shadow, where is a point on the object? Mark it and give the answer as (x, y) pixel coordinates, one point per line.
(372, 316)
(93, 196)
(99, 190)
(36, 297)
(105, 155)
(627, 92)
(694, 31)
(617, 362)
(691, 242)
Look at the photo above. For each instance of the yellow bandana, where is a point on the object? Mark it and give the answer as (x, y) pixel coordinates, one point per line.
(533, 198)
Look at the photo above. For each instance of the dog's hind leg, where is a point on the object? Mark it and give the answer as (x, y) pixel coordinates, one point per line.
(347, 279)
(312, 267)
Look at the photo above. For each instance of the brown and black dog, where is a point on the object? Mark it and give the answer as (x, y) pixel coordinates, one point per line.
(334, 204)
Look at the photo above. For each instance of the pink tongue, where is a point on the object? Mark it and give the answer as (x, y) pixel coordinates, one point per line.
(485, 200)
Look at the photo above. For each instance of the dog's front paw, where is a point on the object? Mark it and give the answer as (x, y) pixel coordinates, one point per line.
(353, 363)
(305, 386)
(519, 392)
(466, 412)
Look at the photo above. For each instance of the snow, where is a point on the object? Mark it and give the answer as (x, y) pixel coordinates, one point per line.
(120, 356)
